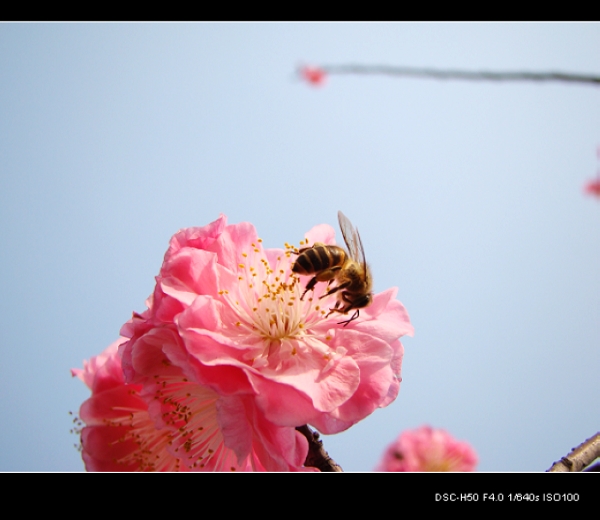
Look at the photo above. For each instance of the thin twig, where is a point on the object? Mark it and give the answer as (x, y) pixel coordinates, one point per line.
(430, 73)
(580, 457)
(317, 456)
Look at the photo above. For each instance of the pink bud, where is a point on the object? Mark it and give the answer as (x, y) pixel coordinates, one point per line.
(313, 75)
(593, 187)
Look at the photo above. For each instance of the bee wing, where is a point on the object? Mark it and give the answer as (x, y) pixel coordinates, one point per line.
(352, 239)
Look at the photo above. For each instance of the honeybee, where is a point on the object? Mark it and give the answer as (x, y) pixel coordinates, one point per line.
(348, 268)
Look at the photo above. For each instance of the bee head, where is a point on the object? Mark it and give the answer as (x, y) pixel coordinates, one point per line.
(363, 301)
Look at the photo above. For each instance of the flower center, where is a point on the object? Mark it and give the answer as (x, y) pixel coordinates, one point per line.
(190, 437)
(270, 304)
(268, 308)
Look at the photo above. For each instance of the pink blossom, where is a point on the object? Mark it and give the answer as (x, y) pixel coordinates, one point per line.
(313, 75)
(245, 331)
(227, 360)
(428, 449)
(593, 187)
(169, 423)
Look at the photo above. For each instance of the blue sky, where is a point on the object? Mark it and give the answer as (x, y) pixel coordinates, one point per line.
(468, 197)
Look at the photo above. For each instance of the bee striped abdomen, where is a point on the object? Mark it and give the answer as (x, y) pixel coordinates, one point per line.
(318, 258)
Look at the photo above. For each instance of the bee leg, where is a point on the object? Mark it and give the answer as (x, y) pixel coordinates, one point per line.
(336, 289)
(354, 316)
(327, 275)
(343, 311)
(335, 308)
(310, 285)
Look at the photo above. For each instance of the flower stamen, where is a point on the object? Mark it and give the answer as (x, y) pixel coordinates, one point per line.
(272, 308)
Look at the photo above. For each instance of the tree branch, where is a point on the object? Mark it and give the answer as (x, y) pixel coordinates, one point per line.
(580, 457)
(317, 456)
(429, 73)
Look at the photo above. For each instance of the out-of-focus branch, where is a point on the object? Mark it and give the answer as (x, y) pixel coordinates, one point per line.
(317, 456)
(580, 457)
(421, 72)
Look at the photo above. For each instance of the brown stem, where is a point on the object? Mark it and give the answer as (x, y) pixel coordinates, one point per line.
(317, 456)
(422, 72)
(580, 457)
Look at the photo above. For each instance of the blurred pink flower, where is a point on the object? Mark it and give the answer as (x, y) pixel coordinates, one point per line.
(428, 449)
(313, 75)
(237, 308)
(593, 187)
(168, 423)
